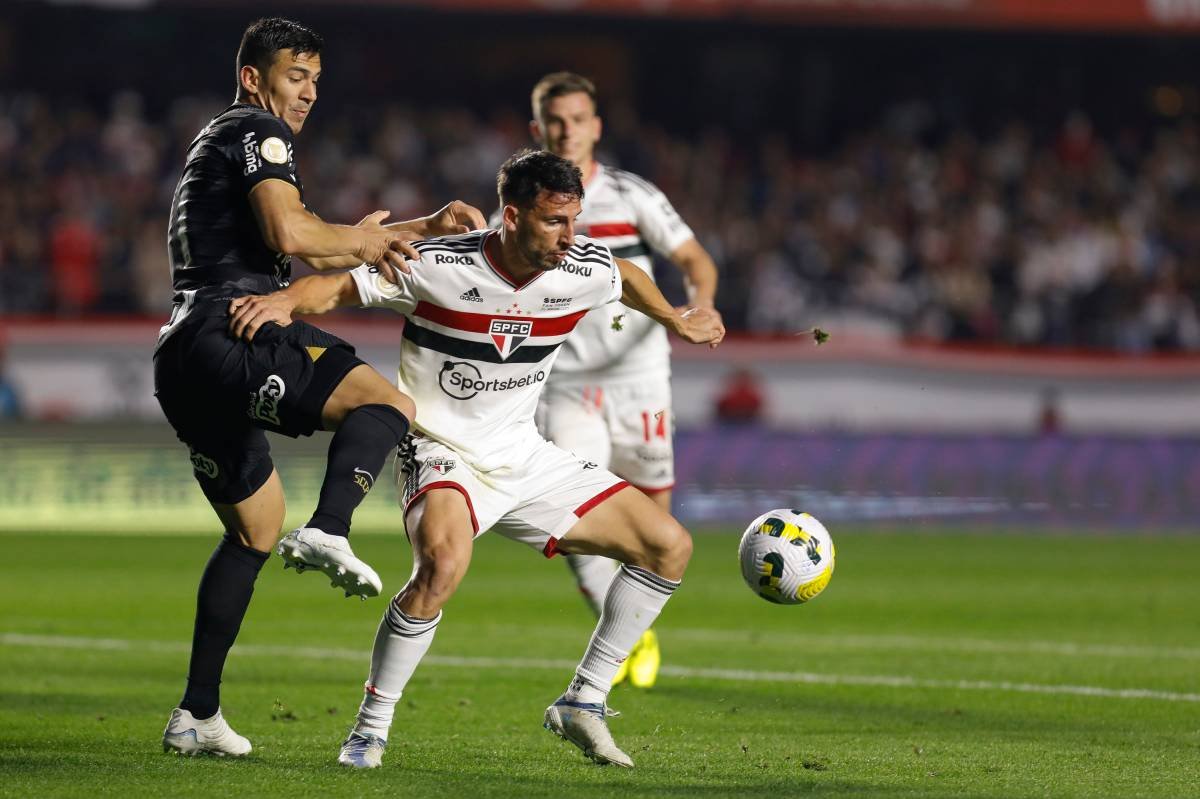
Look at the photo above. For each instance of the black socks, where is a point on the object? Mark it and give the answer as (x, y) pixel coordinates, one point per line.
(225, 591)
(356, 456)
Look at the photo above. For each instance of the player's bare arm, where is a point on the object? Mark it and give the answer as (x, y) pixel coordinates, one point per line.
(697, 325)
(699, 273)
(288, 227)
(452, 219)
(315, 294)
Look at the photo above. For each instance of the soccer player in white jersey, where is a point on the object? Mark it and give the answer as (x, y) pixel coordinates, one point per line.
(609, 397)
(487, 313)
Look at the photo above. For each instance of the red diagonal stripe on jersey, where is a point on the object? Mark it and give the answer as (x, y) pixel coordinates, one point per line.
(610, 229)
(481, 323)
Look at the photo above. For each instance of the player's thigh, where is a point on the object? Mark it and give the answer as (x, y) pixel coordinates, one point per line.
(630, 527)
(362, 385)
(231, 459)
(290, 373)
(573, 419)
(441, 532)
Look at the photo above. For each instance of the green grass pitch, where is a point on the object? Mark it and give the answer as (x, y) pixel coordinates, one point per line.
(997, 665)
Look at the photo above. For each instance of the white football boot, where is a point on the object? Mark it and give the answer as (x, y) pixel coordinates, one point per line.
(309, 548)
(362, 750)
(583, 724)
(189, 735)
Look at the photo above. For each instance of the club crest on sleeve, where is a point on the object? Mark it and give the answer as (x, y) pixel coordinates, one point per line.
(508, 334)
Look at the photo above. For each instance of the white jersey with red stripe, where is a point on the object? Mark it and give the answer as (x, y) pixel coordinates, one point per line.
(633, 219)
(477, 346)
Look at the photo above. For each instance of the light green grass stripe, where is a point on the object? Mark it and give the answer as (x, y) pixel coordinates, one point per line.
(737, 675)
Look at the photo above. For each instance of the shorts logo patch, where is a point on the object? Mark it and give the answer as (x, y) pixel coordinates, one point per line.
(274, 150)
(203, 465)
(264, 403)
(441, 465)
(507, 334)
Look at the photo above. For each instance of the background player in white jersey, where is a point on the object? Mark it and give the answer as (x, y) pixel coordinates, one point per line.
(486, 315)
(609, 398)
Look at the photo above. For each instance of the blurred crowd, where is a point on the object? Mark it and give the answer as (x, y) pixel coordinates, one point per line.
(1068, 237)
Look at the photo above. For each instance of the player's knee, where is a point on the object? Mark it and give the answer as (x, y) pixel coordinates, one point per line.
(401, 402)
(668, 549)
(439, 571)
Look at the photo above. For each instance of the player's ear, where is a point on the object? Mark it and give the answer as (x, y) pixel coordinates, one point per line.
(249, 78)
(509, 216)
(599, 126)
(535, 130)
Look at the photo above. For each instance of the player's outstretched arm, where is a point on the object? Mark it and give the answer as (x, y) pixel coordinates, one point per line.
(315, 294)
(288, 227)
(699, 273)
(452, 219)
(697, 325)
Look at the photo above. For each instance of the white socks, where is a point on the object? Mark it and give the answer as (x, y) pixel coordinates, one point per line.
(635, 598)
(400, 644)
(593, 573)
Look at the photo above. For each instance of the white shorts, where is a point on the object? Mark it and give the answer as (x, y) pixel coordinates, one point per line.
(625, 428)
(535, 501)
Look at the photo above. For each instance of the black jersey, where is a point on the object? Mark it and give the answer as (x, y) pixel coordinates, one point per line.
(214, 239)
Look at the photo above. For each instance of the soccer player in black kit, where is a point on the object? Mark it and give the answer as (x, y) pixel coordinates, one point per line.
(237, 218)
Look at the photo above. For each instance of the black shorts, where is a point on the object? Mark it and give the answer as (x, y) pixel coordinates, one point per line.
(221, 393)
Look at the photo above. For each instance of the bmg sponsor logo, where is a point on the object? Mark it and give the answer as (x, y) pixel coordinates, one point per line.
(463, 381)
(264, 403)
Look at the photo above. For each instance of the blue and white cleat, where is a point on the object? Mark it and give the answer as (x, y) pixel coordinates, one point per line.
(362, 750)
(187, 735)
(584, 725)
(310, 548)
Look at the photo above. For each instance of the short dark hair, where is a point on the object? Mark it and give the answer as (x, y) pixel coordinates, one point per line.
(529, 172)
(266, 37)
(556, 84)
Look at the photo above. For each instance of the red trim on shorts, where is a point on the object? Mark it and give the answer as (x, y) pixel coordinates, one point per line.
(551, 548)
(657, 490)
(596, 500)
(482, 323)
(610, 229)
(445, 484)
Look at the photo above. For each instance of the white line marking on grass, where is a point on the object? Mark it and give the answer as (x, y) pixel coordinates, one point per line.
(977, 645)
(735, 675)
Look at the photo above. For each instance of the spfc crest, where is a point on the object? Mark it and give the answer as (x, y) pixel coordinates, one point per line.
(440, 465)
(507, 334)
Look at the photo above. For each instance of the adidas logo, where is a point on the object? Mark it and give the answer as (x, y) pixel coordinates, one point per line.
(471, 296)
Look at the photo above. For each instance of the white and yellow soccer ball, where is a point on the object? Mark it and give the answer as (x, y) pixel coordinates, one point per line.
(787, 557)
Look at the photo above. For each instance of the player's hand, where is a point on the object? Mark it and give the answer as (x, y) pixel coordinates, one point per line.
(386, 248)
(454, 218)
(701, 326)
(248, 314)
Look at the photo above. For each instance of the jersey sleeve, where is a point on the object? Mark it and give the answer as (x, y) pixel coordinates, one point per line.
(264, 151)
(659, 223)
(376, 291)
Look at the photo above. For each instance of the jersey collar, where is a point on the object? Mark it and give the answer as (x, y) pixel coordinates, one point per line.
(500, 271)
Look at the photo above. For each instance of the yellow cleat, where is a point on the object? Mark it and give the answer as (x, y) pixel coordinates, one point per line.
(623, 672)
(643, 661)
